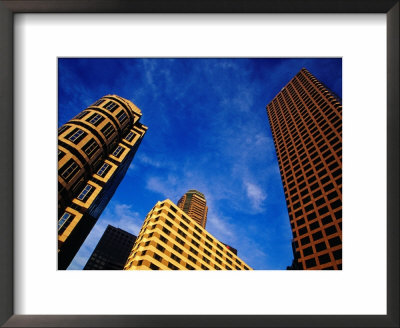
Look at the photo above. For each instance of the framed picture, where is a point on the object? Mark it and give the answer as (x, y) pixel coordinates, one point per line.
(237, 300)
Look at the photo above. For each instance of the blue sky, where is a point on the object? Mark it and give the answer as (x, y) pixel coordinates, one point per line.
(208, 130)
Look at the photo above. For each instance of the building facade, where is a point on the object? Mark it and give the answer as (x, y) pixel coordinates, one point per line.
(95, 149)
(171, 240)
(306, 123)
(112, 250)
(194, 204)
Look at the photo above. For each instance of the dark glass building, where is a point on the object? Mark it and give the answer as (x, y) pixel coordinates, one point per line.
(95, 149)
(306, 123)
(112, 250)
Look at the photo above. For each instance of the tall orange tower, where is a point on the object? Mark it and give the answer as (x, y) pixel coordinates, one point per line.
(306, 124)
(194, 204)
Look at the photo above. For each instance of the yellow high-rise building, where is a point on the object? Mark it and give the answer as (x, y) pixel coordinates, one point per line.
(171, 240)
(95, 150)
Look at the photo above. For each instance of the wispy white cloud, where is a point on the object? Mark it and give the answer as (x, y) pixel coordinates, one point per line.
(256, 195)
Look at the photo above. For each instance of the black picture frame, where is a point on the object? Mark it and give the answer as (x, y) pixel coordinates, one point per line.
(10, 7)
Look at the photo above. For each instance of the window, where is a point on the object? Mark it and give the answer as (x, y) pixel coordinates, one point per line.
(122, 116)
(207, 252)
(191, 258)
(220, 247)
(108, 130)
(160, 248)
(184, 226)
(307, 251)
(157, 257)
(166, 231)
(173, 267)
(197, 229)
(330, 230)
(335, 241)
(62, 129)
(229, 261)
(204, 267)
(209, 238)
(154, 267)
(90, 148)
(168, 223)
(196, 236)
(64, 221)
(103, 170)
(176, 248)
(208, 245)
(95, 119)
(320, 247)
(311, 263)
(193, 250)
(317, 235)
(305, 240)
(337, 254)
(130, 136)
(85, 193)
(98, 102)
(61, 154)
(218, 261)
(176, 258)
(219, 253)
(111, 106)
(163, 239)
(324, 258)
(181, 233)
(118, 151)
(69, 170)
(76, 135)
(188, 266)
(81, 115)
(195, 243)
(180, 241)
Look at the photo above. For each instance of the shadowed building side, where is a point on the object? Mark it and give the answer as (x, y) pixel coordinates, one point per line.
(112, 250)
(306, 123)
(95, 150)
(194, 204)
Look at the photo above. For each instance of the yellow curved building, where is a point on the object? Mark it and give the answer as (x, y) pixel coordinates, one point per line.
(171, 240)
(95, 149)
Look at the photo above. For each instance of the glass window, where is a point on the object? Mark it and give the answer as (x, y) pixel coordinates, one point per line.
(85, 192)
(103, 170)
(76, 136)
(118, 151)
(111, 106)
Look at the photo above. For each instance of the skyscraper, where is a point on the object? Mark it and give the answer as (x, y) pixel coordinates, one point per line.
(306, 123)
(171, 240)
(112, 250)
(95, 149)
(193, 203)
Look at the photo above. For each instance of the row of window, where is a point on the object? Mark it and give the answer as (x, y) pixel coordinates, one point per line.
(323, 259)
(176, 258)
(182, 242)
(193, 233)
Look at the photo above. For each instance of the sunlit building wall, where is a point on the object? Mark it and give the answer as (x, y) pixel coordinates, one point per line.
(171, 240)
(306, 123)
(95, 149)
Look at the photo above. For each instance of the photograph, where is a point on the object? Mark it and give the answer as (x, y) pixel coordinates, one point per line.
(199, 163)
